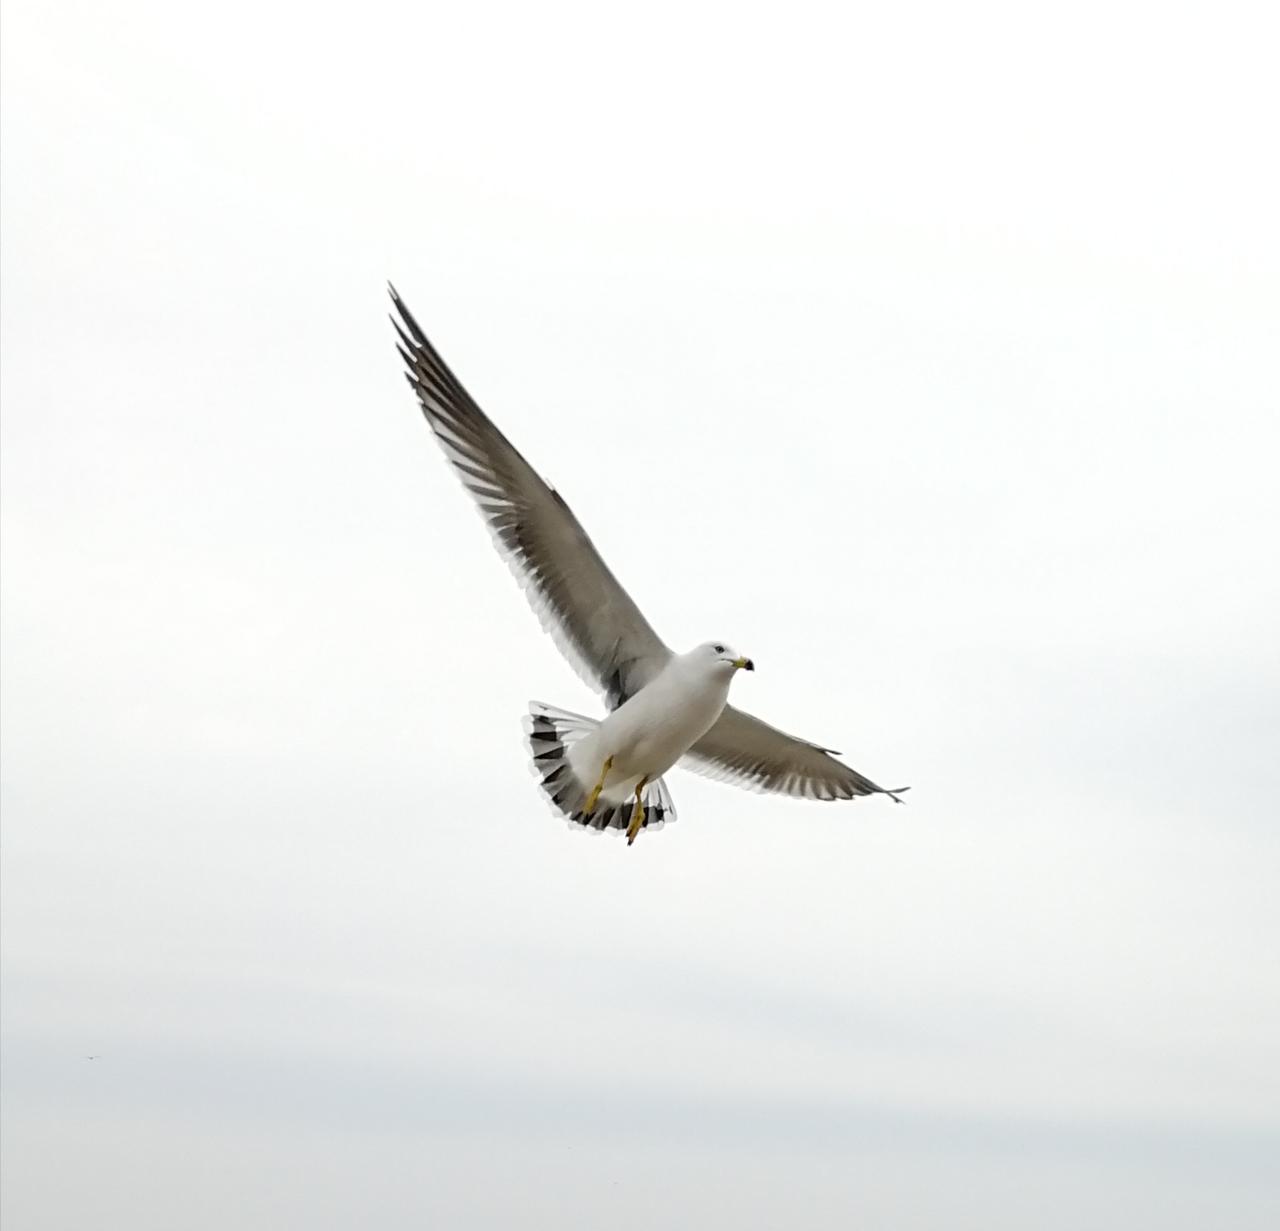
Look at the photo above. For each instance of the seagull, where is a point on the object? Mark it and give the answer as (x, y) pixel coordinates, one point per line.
(664, 708)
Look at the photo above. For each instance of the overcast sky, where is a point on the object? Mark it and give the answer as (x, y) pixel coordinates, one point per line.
(927, 354)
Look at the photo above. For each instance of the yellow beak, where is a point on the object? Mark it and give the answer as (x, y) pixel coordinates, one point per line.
(744, 664)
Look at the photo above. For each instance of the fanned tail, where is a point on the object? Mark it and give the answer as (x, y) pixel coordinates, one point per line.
(551, 735)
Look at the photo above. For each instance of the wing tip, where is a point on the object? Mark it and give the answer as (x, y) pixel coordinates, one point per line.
(406, 316)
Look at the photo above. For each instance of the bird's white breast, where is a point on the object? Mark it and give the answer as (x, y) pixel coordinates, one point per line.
(649, 733)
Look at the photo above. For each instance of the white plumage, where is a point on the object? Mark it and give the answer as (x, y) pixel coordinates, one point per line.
(664, 708)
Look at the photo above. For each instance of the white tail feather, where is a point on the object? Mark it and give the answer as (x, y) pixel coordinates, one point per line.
(551, 735)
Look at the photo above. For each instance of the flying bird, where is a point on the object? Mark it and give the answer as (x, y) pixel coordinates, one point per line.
(664, 708)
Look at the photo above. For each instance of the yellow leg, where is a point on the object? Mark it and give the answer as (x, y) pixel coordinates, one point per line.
(637, 814)
(592, 799)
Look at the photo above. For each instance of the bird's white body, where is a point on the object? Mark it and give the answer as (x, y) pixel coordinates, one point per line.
(646, 735)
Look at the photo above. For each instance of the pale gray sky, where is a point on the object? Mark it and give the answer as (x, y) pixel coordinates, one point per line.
(928, 354)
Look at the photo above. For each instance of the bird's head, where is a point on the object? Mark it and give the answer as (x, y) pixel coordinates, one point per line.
(720, 656)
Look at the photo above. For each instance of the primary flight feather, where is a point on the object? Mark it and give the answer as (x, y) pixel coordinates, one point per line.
(664, 708)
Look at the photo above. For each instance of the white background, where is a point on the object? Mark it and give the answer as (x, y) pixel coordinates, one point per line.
(926, 353)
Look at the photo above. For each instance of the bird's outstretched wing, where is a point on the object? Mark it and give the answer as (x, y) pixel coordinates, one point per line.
(579, 601)
(743, 750)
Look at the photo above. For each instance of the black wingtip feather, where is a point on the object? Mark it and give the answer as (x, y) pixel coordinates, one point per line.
(431, 368)
(404, 337)
(407, 317)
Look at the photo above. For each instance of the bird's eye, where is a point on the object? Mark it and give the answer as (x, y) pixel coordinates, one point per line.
(719, 649)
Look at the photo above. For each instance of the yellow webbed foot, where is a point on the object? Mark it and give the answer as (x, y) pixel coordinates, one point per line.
(594, 797)
(637, 814)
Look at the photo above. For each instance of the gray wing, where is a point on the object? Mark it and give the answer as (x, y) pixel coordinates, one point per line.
(578, 600)
(743, 750)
